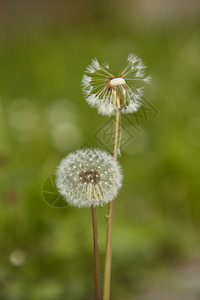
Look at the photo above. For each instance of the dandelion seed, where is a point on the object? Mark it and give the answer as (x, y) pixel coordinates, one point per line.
(90, 185)
(108, 92)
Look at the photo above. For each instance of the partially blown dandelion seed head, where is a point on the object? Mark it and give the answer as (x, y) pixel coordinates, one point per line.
(108, 92)
(88, 177)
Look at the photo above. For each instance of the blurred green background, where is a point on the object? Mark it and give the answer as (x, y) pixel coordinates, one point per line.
(45, 46)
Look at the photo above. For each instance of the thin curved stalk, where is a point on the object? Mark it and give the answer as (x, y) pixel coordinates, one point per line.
(108, 258)
(96, 255)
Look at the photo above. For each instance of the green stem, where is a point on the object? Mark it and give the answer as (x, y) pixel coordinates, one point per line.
(96, 255)
(108, 258)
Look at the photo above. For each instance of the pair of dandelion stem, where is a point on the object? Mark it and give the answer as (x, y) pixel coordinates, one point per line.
(91, 177)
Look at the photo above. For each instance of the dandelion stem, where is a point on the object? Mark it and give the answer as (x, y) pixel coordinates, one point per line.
(108, 258)
(96, 254)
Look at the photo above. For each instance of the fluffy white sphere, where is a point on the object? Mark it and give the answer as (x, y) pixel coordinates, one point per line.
(88, 177)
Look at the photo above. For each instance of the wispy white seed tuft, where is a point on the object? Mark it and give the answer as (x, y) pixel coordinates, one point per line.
(108, 92)
(86, 80)
(95, 64)
(133, 57)
(148, 79)
(105, 65)
(88, 177)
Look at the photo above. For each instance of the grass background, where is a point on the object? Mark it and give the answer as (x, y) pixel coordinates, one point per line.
(46, 252)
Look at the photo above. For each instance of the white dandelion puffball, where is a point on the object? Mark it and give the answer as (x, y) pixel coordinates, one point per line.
(108, 92)
(88, 177)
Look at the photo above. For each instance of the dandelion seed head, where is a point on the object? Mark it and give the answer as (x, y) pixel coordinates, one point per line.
(96, 181)
(108, 92)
